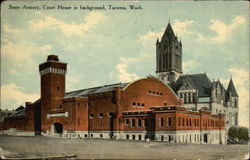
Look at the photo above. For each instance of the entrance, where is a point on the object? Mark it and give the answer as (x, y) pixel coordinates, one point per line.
(205, 138)
(58, 128)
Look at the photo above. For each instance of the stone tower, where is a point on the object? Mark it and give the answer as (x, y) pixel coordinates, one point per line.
(168, 57)
(52, 87)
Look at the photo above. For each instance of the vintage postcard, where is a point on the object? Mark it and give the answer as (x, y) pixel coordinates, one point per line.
(124, 80)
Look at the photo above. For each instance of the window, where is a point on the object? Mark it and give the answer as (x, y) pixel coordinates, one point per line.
(139, 137)
(149, 91)
(111, 114)
(100, 115)
(179, 121)
(91, 115)
(142, 104)
(133, 123)
(127, 122)
(183, 122)
(78, 120)
(146, 122)
(139, 122)
(138, 104)
(157, 93)
(165, 104)
(153, 92)
(189, 97)
(134, 104)
(101, 135)
(127, 136)
(169, 121)
(57, 88)
(161, 122)
(185, 98)
(161, 94)
(190, 122)
(187, 122)
(133, 137)
(181, 95)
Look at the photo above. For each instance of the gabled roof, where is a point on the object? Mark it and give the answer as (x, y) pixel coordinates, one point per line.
(200, 81)
(231, 89)
(94, 90)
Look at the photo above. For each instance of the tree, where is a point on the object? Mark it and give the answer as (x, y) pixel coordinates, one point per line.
(241, 133)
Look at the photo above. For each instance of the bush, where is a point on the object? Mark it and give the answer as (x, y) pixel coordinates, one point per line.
(241, 133)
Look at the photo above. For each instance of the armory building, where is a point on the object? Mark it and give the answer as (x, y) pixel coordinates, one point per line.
(174, 107)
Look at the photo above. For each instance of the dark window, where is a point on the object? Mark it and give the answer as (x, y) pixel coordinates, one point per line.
(139, 137)
(161, 94)
(186, 122)
(153, 92)
(100, 115)
(134, 137)
(149, 91)
(169, 121)
(57, 88)
(134, 103)
(157, 93)
(189, 97)
(183, 122)
(85, 135)
(190, 123)
(78, 121)
(127, 136)
(181, 95)
(127, 122)
(146, 122)
(91, 115)
(165, 104)
(91, 135)
(138, 104)
(133, 122)
(161, 122)
(179, 121)
(142, 104)
(111, 114)
(139, 122)
(101, 135)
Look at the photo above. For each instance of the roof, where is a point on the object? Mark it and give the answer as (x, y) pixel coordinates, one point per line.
(20, 113)
(169, 33)
(231, 89)
(200, 82)
(94, 90)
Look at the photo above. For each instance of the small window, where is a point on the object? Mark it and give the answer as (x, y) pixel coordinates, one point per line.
(157, 93)
(91, 135)
(139, 123)
(127, 136)
(133, 123)
(91, 115)
(161, 122)
(165, 104)
(127, 122)
(100, 115)
(85, 135)
(149, 91)
(169, 121)
(142, 104)
(60, 106)
(139, 137)
(57, 88)
(101, 135)
(153, 92)
(161, 94)
(138, 104)
(134, 104)
(111, 114)
(133, 137)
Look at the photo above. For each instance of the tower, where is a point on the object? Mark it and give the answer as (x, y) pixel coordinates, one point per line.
(168, 57)
(52, 87)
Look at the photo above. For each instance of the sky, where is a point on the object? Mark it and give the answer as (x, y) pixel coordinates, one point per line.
(111, 46)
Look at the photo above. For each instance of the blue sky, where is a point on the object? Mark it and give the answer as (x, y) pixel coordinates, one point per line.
(103, 47)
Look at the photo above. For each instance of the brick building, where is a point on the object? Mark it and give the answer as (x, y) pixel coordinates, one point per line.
(146, 108)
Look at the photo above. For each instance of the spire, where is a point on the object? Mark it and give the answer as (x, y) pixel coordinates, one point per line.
(231, 89)
(169, 33)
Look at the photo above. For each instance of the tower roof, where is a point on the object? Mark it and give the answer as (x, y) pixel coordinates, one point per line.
(169, 33)
(231, 89)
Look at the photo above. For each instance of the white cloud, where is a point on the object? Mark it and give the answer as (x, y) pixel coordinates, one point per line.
(151, 36)
(10, 29)
(241, 81)
(181, 27)
(12, 93)
(68, 29)
(189, 65)
(223, 30)
(123, 74)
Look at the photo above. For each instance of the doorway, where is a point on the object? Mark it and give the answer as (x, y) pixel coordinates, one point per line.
(58, 128)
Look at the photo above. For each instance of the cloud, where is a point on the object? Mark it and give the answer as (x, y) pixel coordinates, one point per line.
(181, 27)
(189, 65)
(241, 81)
(10, 29)
(18, 52)
(123, 75)
(11, 93)
(223, 30)
(68, 29)
(151, 36)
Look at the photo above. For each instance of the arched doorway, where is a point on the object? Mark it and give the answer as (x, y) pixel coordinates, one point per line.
(205, 138)
(58, 128)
